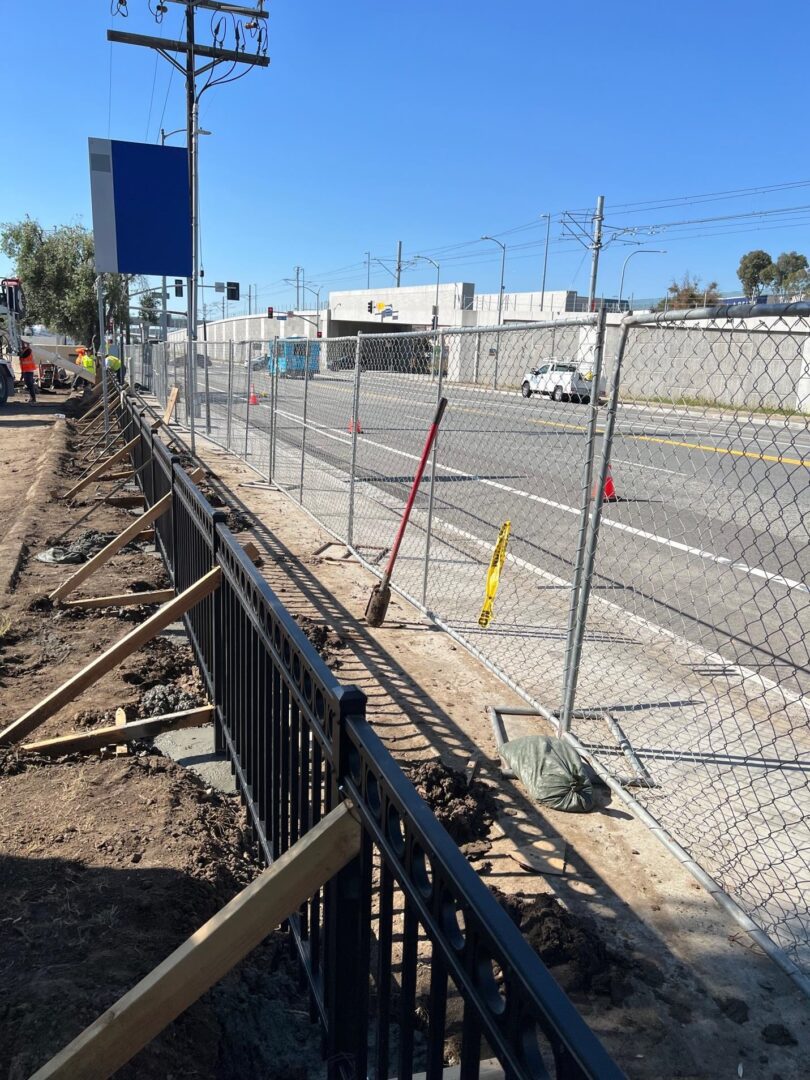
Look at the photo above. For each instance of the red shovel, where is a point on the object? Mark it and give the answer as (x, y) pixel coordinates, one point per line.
(377, 606)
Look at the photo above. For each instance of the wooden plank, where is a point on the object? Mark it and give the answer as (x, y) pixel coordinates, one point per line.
(106, 553)
(253, 553)
(174, 393)
(102, 468)
(127, 599)
(127, 474)
(135, 1019)
(78, 742)
(142, 537)
(120, 722)
(82, 421)
(128, 644)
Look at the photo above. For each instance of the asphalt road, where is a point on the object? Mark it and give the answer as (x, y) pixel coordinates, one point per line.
(707, 541)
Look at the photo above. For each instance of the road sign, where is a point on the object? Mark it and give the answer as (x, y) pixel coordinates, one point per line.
(280, 317)
(141, 208)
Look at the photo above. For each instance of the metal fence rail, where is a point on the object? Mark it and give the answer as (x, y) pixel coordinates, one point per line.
(666, 630)
(298, 743)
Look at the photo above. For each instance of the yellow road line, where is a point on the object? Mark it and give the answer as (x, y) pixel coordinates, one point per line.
(778, 458)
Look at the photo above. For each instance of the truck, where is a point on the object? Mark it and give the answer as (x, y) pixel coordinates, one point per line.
(562, 380)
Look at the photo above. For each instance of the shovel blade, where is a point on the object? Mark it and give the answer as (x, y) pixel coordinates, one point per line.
(377, 606)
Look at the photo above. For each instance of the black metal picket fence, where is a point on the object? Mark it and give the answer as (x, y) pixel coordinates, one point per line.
(408, 922)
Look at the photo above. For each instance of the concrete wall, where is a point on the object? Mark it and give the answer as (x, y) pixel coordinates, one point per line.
(750, 363)
(413, 304)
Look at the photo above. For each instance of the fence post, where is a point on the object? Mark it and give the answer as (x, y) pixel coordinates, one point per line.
(207, 393)
(191, 391)
(230, 396)
(304, 424)
(358, 355)
(477, 362)
(580, 618)
(433, 461)
(248, 391)
(346, 961)
(585, 497)
(271, 472)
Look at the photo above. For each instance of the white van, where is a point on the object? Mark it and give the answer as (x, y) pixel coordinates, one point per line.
(561, 381)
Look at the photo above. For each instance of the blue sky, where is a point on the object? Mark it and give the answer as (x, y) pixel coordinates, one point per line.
(435, 122)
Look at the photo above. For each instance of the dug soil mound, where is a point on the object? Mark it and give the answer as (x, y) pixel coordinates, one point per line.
(467, 812)
(106, 867)
(326, 642)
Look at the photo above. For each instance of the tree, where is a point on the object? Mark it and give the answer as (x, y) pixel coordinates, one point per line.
(754, 270)
(788, 275)
(150, 312)
(689, 293)
(59, 278)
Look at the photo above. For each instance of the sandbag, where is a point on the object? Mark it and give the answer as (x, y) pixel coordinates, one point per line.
(551, 771)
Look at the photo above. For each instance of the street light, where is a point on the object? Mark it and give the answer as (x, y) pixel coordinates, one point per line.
(317, 294)
(638, 251)
(500, 308)
(164, 135)
(545, 263)
(426, 258)
(503, 267)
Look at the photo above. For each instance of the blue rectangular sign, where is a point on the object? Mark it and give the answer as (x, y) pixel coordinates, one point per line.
(141, 208)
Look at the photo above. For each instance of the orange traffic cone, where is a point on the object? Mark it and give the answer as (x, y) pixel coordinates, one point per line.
(253, 400)
(609, 494)
(355, 425)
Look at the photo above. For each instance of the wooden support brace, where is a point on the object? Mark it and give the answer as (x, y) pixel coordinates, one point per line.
(82, 421)
(144, 537)
(174, 393)
(113, 656)
(127, 599)
(121, 749)
(78, 742)
(99, 469)
(100, 558)
(127, 474)
(209, 954)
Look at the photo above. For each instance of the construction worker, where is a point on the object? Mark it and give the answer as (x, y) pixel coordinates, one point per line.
(81, 361)
(28, 366)
(114, 365)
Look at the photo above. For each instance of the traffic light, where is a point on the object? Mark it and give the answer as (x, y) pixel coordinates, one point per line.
(319, 334)
(178, 286)
(370, 306)
(232, 288)
(269, 313)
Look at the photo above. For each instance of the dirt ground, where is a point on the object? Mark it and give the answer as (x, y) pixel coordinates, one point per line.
(116, 859)
(108, 863)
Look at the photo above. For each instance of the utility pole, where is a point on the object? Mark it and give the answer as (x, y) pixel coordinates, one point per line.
(298, 270)
(596, 247)
(545, 264)
(368, 269)
(215, 55)
(399, 261)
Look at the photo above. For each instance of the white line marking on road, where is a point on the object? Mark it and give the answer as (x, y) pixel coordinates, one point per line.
(638, 465)
(686, 549)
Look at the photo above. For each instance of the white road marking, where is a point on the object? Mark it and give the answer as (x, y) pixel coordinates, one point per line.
(638, 465)
(675, 545)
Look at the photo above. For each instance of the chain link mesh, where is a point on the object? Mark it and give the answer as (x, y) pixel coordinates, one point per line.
(691, 681)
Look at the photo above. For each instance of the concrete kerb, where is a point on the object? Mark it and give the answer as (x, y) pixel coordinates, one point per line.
(12, 551)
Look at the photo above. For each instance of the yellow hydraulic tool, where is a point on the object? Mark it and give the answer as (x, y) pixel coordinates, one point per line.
(494, 574)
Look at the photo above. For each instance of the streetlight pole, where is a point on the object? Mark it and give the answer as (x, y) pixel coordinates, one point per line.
(426, 258)
(638, 251)
(317, 294)
(502, 246)
(545, 263)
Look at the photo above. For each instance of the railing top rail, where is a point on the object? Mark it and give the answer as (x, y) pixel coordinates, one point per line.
(502, 328)
(796, 309)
